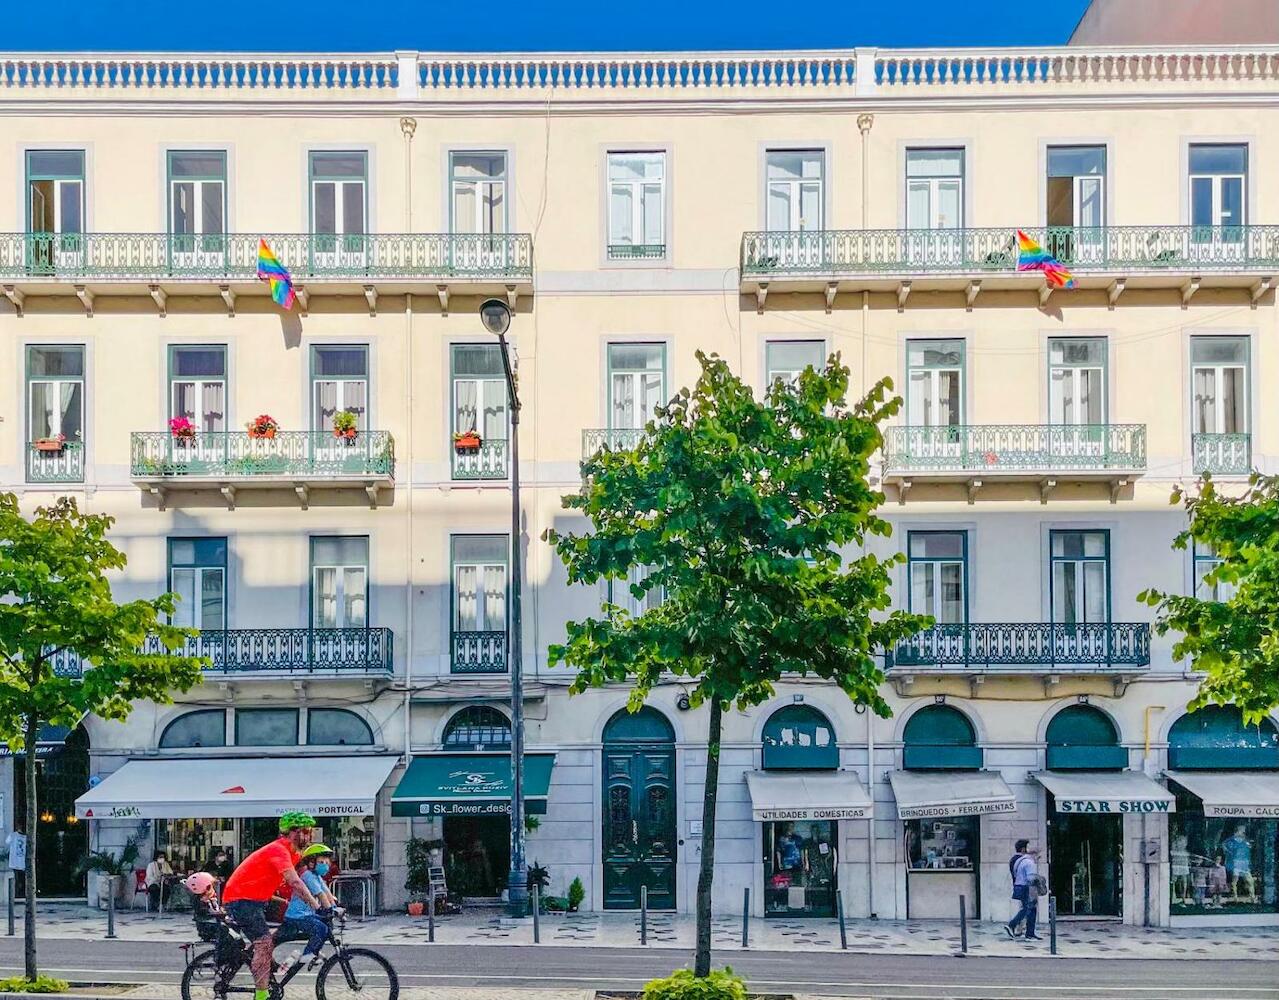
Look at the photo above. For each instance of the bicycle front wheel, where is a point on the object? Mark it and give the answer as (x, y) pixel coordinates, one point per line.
(357, 974)
(204, 980)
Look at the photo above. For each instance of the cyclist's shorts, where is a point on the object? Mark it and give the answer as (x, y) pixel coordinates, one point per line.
(250, 915)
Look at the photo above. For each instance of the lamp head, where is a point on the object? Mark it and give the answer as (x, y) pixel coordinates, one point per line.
(496, 316)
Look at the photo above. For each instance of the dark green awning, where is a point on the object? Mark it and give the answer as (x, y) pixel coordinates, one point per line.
(470, 784)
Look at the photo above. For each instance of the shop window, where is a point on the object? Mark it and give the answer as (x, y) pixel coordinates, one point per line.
(798, 737)
(939, 737)
(478, 727)
(336, 727)
(800, 862)
(266, 727)
(1082, 738)
(195, 729)
(948, 844)
(1221, 866)
(1216, 737)
(193, 843)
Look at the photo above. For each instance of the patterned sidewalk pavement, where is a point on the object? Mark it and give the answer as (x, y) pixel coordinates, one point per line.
(666, 930)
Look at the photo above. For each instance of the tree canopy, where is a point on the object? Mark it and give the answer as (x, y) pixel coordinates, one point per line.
(1230, 630)
(731, 522)
(67, 648)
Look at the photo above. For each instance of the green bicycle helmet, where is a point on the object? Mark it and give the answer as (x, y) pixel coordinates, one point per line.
(315, 849)
(295, 821)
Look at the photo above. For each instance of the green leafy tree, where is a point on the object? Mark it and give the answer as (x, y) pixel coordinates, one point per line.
(739, 511)
(67, 648)
(1235, 641)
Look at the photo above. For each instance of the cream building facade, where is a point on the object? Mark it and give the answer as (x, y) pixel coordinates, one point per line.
(773, 208)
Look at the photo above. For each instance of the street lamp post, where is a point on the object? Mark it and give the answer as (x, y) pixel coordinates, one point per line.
(496, 317)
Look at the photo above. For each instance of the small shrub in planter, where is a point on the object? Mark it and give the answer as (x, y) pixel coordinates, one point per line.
(344, 425)
(263, 426)
(576, 895)
(466, 442)
(721, 984)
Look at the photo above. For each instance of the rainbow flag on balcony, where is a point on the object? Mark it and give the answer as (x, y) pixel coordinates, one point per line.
(276, 274)
(1032, 257)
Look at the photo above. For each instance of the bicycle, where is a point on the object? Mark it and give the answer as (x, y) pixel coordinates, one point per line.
(345, 973)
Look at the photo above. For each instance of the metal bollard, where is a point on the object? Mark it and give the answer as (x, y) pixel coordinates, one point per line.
(537, 914)
(963, 925)
(111, 906)
(430, 916)
(1052, 925)
(746, 917)
(643, 914)
(839, 910)
(13, 887)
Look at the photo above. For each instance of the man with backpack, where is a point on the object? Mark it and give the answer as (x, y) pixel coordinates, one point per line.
(1027, 885)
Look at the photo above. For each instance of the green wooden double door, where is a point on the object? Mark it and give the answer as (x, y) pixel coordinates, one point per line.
(639, 838)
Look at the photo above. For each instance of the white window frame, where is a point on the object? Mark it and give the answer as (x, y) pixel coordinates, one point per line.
(637, 189)
(482, 568)
(1218, 372)
(341, 574)
(456, 184)
(794, 188)
(933, 186)
(635, 376)
(1076, 372)
(196, 605)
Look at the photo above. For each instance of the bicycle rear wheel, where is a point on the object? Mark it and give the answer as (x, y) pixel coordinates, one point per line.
(357, 974)
(203, 980)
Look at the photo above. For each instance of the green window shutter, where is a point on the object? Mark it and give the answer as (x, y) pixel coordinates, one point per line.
(798, 737)
(940, 738)
(1216, 738)
(1082, 738)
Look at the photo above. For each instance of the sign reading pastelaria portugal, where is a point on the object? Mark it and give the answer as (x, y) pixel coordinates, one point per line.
(945, 809)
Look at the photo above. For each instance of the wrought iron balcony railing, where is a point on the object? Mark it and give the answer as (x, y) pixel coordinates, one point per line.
(614, 438)
(1222, 454)
(479, 652)
(636, 251)
(163, 256)
(1029, 647)
(280, 650)
(1104, 250)
(233, 454)
(1014, 448)
(63, 465)
(487, 462)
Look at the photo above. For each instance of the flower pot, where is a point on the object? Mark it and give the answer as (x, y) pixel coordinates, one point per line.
(51, 445)
(466, 444)
(416, 908)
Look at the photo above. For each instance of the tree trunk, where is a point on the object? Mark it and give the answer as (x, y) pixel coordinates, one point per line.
(29, 916)
(706, 876)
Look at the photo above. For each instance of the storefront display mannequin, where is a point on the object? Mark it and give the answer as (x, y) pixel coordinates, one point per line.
(1180, 858)
(1237, 850)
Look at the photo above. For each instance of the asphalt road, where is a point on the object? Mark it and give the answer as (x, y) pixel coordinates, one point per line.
(890, 977)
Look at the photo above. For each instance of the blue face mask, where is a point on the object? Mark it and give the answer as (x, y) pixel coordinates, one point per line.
(321, 868)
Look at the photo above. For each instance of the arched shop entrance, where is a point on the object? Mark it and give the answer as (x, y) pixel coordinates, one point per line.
(1085, 849)
(477, 848)
(62, 841)
(639, 810)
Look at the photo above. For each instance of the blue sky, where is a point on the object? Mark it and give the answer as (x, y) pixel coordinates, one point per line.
(530, 25)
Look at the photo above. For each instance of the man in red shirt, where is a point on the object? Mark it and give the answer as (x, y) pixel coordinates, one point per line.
(257, 879)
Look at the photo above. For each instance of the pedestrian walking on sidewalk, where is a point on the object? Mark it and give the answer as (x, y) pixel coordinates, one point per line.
(1024, 868)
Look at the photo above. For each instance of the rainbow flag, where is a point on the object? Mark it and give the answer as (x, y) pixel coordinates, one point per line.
(1032, 257)
(271, 270)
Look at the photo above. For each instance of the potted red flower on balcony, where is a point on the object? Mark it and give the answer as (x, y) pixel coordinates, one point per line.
(50, 444)
(182, 429)
(344, 426)
(262, 426)
(467, 442)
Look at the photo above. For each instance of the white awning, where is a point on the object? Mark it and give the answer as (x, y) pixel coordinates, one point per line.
(238, 786)
(936, 794)
(1233, 793)
(1106, 792)
(781, 795)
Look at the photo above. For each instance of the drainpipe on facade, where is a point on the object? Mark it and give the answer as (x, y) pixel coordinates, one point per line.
(1147, 766)
(864, 124)
(408, 126)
